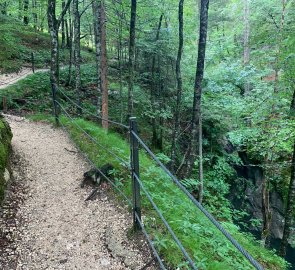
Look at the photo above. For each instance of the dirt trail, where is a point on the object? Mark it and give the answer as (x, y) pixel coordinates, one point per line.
(57, 229)
(9, 79)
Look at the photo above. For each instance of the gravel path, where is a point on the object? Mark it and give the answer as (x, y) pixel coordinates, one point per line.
(56, 229)
(9, 79)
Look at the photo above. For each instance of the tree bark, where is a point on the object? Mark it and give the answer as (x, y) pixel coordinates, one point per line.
(63, 36)
(246, 57)
(196, 114)
(96, 28)
(266, 212)
(77, 53)
(179, 85)
(53, 26)
(20, 9)
(290, 208)
(26, 9)
(154, 85)
(104, 67)
(131, 57)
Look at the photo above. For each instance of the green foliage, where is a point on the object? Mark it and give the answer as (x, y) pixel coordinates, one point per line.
(182, 216)
(5, 139)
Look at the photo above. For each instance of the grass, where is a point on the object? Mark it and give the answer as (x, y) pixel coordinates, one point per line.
(18, 41)
(205, 244)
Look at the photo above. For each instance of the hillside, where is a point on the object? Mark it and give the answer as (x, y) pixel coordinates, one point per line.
(19, 41)
(204, 90)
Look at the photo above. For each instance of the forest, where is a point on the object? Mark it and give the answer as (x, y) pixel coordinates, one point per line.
(212, 86)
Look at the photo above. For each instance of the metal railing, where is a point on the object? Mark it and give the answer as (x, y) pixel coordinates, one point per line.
(138, 185)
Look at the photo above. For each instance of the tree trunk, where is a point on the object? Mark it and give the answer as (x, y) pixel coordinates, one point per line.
(71, 47)
(120, 59)
(63, 36)
(96, 28)
(104, 67)
(131, 57)
(53, 29)
(290, 208)
(246, 57)
(53, 26)
(26, 9)
(77, 52)
(196, 114)
(20, 9)
(278, 50)
(155, 137)
(179, 85)
(266, 212)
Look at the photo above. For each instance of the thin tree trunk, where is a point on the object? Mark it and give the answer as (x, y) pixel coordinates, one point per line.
(155, 137)
(104, 67)
(26, 9)
(246, 57)
(266, 212)
(20, 9)
(278, 50)
(71, 47)
(179, 85)
(53, 29)
(201, 180)
(290, 208)
(77, 52)
(131, 57)
(63, 37)
(53, 26)
(196, 114)
(96, 27)
(120, 59)
(67, 32)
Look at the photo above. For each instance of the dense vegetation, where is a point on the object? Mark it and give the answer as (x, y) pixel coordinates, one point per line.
(5, 136)
(246, 114)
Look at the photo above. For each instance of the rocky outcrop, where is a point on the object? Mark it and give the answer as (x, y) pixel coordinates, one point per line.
(250, 199)
(5, 140)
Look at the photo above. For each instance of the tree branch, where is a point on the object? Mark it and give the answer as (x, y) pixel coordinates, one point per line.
(63, 13)
(83, 11)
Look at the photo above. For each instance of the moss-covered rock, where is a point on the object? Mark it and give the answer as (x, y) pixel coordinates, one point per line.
(5, 140)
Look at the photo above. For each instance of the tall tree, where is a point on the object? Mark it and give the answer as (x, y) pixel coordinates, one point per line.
(155, 139)
(196, 113)
(96, 28)
(131, 57)
(246, 57)
(104, 66)
(290, 208)
(77, 51)
(53, 26)
(179, 84)
(26, 12)
(63, 22)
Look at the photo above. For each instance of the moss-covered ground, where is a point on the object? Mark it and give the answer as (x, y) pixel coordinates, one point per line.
(5, 139)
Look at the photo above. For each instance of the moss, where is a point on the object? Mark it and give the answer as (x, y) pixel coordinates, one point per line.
(5, 140)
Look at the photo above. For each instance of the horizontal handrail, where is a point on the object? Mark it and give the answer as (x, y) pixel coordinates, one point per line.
(199, 206)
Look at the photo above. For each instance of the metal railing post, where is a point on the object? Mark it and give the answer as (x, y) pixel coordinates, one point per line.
(33, 62)
(55, 105)
(134, 160)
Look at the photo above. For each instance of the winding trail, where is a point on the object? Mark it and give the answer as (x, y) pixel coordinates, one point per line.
(56, 228)
(12, 78)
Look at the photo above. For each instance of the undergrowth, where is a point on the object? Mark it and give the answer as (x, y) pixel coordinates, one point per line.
(205, 244)
(18, 42)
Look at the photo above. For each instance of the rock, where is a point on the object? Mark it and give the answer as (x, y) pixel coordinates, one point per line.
(6, 175)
